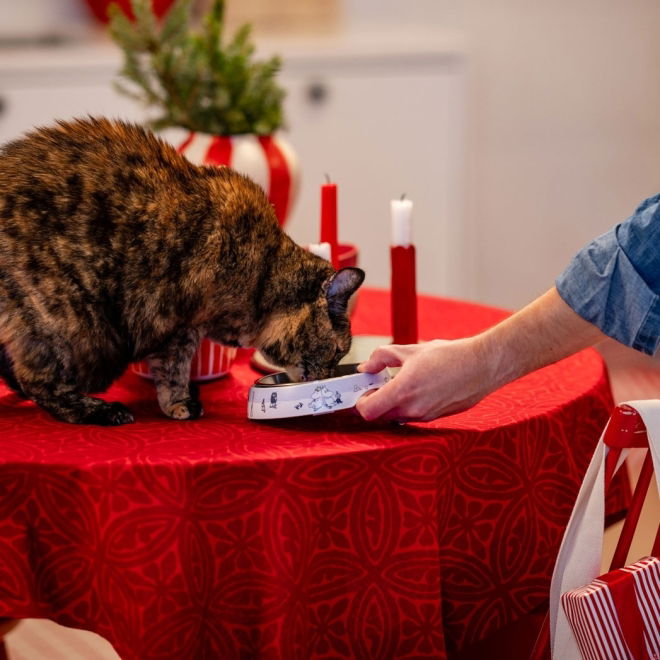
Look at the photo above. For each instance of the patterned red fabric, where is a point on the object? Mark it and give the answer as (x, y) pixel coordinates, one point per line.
(315, 537)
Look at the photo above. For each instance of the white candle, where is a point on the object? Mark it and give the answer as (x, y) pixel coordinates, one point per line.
(321, 250)
(401, 211)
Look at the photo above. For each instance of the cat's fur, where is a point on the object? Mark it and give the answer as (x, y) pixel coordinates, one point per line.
(115, 248)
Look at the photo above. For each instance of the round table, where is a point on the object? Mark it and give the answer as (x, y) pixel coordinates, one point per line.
(313, 537)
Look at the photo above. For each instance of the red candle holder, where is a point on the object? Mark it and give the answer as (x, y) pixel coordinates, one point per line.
(403, 295)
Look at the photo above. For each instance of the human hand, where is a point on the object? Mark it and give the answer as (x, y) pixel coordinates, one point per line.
(436, 378)
(442, 377)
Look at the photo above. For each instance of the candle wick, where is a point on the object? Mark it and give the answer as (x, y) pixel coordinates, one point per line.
(327, 178)
(403, 196)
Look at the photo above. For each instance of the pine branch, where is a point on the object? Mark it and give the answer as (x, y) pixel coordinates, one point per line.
(194, 80)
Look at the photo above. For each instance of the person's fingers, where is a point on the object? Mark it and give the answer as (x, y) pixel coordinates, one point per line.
(381, 357)
(378, 402)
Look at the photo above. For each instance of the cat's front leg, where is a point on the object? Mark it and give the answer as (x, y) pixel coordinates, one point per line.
(177, 396)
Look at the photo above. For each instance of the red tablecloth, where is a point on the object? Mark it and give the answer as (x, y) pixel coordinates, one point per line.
(317, 537)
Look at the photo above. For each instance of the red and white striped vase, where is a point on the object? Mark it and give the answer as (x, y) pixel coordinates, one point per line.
(211, 361)
(269, 161)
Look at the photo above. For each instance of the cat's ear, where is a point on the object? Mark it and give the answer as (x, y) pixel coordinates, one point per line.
(341, 287)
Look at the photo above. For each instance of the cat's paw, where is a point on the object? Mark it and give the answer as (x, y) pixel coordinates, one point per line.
(186, 409)
(109, 414)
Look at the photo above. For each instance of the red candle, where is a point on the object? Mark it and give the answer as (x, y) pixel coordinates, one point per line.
(403, 289)
(404, 295)
(329, 219)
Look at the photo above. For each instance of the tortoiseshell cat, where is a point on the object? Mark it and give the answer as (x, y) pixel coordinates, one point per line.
(115, 248)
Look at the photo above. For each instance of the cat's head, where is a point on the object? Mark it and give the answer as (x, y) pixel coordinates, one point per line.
(309, 341)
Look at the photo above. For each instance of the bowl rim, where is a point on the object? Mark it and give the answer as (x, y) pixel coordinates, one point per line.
(281, 378)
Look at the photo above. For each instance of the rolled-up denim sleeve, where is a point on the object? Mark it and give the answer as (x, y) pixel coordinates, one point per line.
(614, 281)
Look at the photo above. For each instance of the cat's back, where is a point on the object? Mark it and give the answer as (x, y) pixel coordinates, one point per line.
(85, 186)
(93, 152)
(92, 138)
(112, 197)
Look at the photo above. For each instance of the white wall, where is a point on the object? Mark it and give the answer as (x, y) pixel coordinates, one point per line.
(563, 127)
(564, 132)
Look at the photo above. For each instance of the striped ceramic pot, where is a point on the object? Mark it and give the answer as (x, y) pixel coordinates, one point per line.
(211, 361)
(267, 160)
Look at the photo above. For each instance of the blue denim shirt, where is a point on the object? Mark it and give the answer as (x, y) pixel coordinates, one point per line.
(614, 281)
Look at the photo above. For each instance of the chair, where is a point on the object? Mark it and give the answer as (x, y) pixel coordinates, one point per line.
(625, 430)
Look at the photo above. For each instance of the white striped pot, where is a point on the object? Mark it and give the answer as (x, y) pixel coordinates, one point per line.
(269, 161)
(211, 361)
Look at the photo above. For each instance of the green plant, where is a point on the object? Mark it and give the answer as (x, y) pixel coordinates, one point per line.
(193, 78)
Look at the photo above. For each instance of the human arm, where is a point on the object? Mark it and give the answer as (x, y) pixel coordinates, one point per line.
(611, 286)
(446, 376)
